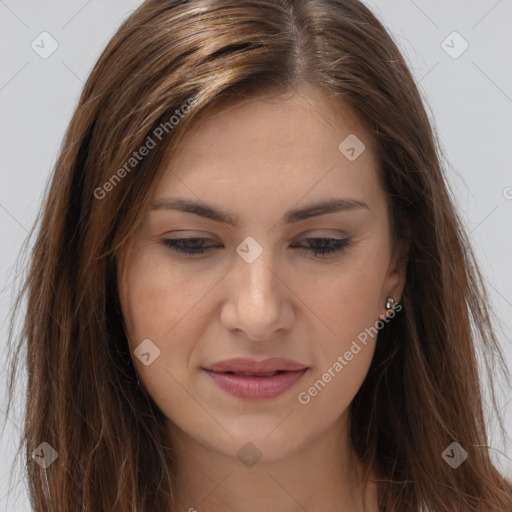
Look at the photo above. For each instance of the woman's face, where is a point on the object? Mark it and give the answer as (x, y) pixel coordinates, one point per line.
(258, 290)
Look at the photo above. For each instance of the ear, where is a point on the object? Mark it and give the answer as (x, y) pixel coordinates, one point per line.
(396, 274)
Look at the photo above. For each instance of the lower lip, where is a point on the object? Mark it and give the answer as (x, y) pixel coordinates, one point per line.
(256, 388)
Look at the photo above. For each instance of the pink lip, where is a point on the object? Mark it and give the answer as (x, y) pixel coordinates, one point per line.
(256, 387)
(246, 365)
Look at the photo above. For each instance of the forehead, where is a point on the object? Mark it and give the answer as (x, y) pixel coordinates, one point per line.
(294, 144)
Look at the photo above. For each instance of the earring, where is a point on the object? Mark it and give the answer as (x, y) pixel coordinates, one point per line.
(390, 303)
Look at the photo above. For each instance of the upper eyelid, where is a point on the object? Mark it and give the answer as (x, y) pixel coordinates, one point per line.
(312, 233)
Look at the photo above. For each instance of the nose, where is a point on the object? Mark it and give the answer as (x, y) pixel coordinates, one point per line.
(257, 301)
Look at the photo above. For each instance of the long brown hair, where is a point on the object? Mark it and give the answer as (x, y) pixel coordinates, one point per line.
(423, 390)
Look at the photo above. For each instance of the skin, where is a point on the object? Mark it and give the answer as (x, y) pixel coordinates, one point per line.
(256, 160)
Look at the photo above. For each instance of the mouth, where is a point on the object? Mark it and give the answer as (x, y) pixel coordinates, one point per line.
(253, 380)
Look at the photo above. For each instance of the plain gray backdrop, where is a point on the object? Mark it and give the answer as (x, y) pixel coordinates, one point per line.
(459, 52)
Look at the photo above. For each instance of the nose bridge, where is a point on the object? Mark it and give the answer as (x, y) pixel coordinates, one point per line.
(256, 280)
(255, 301)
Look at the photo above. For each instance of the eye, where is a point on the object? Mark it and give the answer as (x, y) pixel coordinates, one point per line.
(177, 245)
(194, 246)
(327, 245)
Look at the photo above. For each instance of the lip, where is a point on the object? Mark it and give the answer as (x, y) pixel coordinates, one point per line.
(256, 387)
(246, 365)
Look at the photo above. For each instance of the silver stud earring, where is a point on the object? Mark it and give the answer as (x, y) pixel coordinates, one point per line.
(390, 303)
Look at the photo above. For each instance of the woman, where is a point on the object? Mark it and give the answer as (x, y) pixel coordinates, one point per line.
(250, 289)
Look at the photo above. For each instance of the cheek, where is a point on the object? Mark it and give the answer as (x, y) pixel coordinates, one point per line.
(153, 302)
(153, 297)
(342, 353)
(152, 306)
(345, 300)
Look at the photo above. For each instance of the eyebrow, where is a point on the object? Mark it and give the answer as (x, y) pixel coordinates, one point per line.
(291, 216)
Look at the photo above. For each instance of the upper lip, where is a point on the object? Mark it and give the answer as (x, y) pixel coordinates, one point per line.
(246, 365)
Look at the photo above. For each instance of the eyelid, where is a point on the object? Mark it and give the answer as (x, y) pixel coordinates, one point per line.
(176, 235)
(341, 246)
(319, 232)
(324, 233)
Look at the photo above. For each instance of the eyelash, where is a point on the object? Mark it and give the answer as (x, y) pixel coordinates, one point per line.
(340, 246)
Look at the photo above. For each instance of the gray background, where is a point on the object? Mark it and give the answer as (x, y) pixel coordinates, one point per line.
(469, 98)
